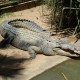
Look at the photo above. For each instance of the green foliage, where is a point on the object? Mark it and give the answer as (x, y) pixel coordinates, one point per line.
(65, 13)
(4, 14)
(52, 6)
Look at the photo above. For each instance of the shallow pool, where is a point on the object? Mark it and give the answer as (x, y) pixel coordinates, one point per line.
(69, 70)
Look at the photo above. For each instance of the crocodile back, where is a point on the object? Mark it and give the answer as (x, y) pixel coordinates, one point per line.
(27, 24)
(25, 38)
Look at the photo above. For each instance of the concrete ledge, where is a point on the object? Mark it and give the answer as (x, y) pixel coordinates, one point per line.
(39, 65)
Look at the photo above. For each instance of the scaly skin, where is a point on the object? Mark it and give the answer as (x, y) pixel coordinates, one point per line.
(27, 24)
(33, 41)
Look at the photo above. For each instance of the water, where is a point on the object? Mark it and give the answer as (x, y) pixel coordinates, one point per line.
(70, 69)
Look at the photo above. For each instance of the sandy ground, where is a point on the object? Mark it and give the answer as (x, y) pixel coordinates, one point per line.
(41, 62)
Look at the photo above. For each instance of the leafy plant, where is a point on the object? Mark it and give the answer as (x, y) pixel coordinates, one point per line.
(65, 13)
(4, 14)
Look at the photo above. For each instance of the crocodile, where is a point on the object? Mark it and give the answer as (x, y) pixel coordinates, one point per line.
(32, 38)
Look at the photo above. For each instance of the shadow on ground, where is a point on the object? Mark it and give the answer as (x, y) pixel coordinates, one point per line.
(10, 66)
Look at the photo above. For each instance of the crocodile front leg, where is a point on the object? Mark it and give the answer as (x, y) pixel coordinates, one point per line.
(33, 50)
(7, 40)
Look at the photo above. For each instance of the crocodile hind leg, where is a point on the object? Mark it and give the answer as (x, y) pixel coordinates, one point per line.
(7, 40)
(33, 50)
